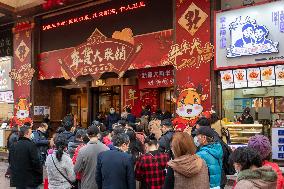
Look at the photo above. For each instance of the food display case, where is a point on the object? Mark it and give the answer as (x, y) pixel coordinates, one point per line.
(240, 133)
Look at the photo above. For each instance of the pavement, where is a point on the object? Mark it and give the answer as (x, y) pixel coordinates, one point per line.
(5, 182)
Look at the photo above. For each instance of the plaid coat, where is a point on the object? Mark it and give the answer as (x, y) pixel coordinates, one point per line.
(150, 169)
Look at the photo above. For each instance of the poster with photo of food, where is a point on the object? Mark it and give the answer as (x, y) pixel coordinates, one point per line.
(227, 79)
(257, 103)
(279, 73)
(267, 76)
(268, 102)
(253, 77)
(240, 78)
(279, 104)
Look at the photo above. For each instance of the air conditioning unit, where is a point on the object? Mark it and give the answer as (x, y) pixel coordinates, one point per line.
(255, 91)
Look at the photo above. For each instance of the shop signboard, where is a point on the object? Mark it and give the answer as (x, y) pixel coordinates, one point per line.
(279, 74)
(249, 36)
(5, 68)
(267, 76)
(7, 96)
(98, 55)
(227, 79)
(253, 77)
(240, 78)
(156, 77)
(278, 143)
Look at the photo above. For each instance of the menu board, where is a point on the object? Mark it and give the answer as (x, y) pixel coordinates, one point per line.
(253, 77)
(279, 73)
(279, 104)
(267, 76)
(227, 79)
(240, 78)
(277, 143)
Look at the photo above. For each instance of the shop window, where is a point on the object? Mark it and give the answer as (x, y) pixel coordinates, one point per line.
(166, 103)
(6, 112)
(234, 101)
(109, 97)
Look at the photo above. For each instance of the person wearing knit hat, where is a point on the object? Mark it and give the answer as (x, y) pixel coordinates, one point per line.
(262, 144)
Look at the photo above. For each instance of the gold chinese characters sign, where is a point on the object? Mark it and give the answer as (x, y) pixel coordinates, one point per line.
(99, 55)
(192, 19)
(187, 55)
(23, 75)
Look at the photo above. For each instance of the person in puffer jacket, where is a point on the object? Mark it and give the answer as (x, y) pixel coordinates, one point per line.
(252, 174)
(262, 144)
(211, 152)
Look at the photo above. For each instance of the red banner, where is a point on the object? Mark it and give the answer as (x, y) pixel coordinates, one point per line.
(155, 47)
(150, 97)
(156, 77)
(22, 72)
(191, 56)
(131, 98)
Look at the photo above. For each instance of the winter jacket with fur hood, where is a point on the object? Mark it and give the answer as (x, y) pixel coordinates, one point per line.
(190, 172)
(260, 178)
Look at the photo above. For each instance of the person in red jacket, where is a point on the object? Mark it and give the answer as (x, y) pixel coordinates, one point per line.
(263, 146)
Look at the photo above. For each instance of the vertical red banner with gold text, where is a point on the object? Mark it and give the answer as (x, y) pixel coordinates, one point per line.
(22, 61)
(191, 56)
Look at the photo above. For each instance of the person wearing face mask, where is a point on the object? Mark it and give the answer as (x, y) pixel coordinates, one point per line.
(211, 152)
(251, 174)
(246, 118)
(40, 139)
(112, 118)
(115, 168)
(187, 170)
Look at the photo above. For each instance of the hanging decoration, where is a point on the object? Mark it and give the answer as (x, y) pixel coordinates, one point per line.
(22, 76)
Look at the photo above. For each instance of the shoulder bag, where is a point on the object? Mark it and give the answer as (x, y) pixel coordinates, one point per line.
(74, 185)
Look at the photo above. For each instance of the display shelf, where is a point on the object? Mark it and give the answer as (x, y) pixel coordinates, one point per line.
(240, 133)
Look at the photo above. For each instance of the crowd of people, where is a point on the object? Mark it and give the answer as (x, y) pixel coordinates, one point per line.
(150, 152)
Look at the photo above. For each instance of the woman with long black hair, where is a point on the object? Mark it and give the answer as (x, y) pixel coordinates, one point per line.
(59, 166)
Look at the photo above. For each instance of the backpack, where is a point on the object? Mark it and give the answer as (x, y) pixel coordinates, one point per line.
(227, 166)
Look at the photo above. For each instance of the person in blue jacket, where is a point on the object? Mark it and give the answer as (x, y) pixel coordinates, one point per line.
(115, 168)
(211, 152)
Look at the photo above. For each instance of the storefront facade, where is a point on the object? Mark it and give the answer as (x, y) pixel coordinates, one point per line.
(249, 58)
(6, 83)
(84, 60)
(114, 58)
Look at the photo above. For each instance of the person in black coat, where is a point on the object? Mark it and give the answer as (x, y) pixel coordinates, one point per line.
(26, 168)
(11, 141)
(115, 168)
(68, 123)
(40, 139)
(165, 140)
(112, 118)
(130, 117)
(246, 118)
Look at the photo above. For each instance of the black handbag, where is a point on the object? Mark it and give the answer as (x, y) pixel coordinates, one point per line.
(74, 185)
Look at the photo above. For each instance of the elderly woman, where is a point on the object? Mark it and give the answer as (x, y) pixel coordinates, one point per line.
(248, 163)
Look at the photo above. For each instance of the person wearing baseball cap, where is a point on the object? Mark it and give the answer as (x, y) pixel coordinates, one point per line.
(211, 152)
(262, 144)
